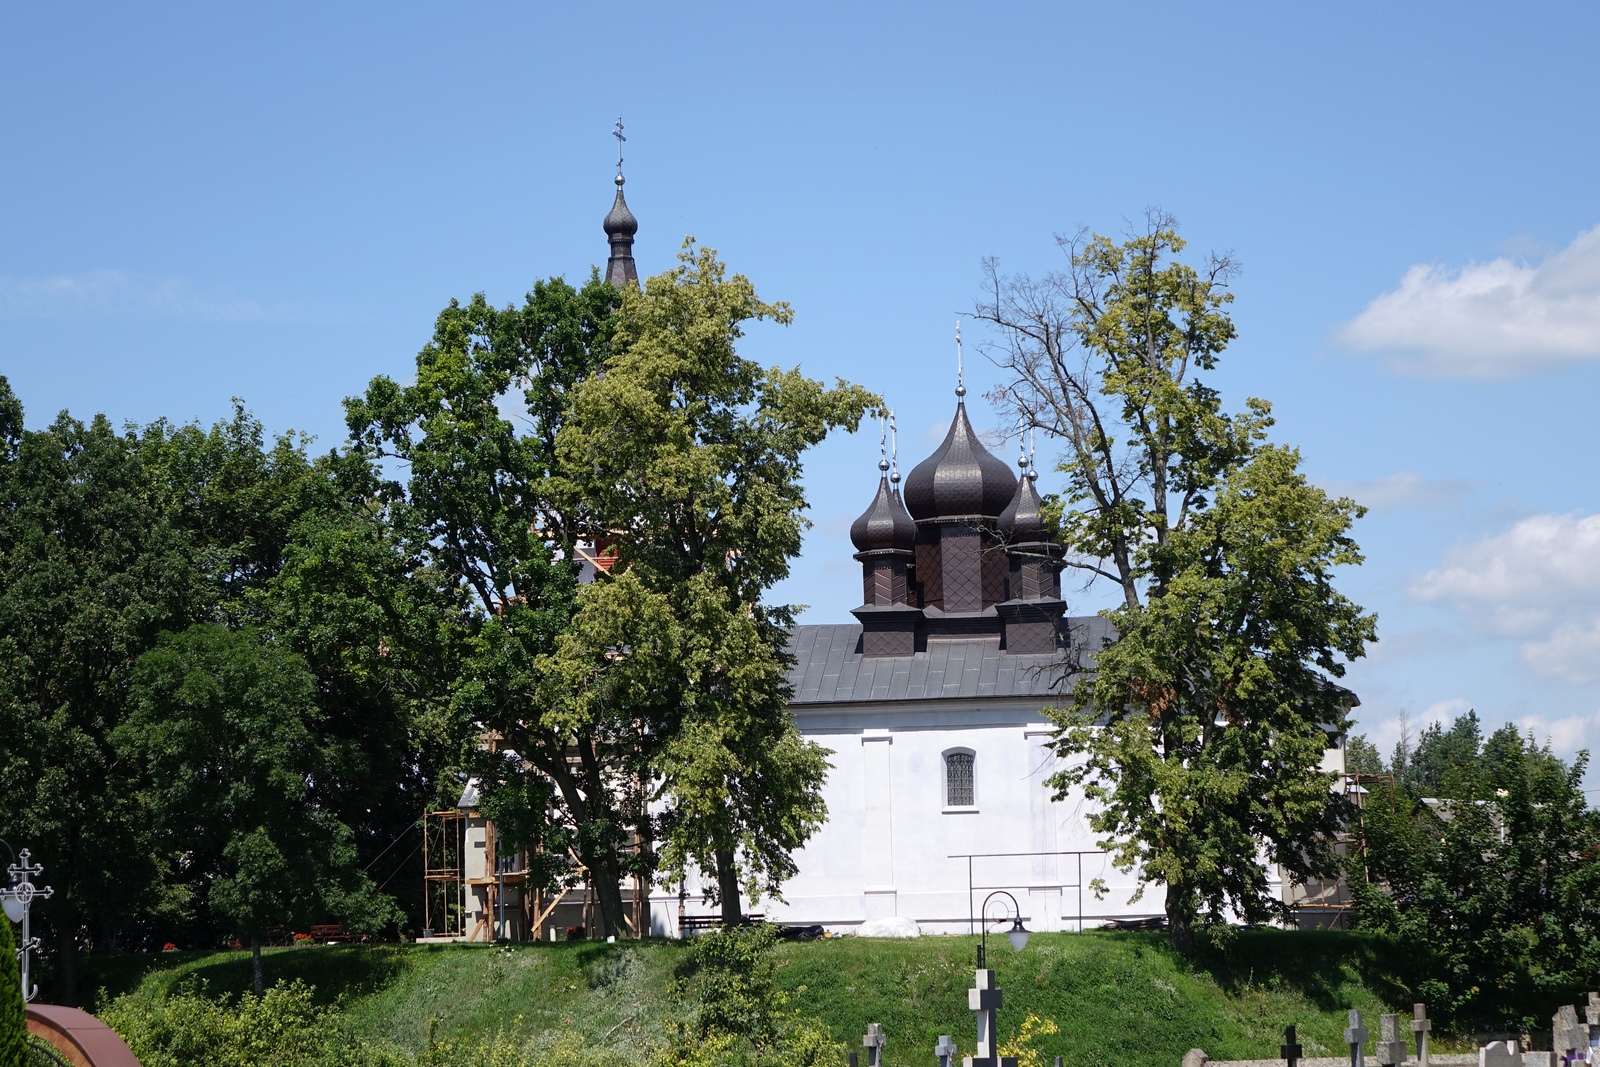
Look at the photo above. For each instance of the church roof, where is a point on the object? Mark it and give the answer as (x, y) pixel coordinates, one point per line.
(885, 523)
(830, 669)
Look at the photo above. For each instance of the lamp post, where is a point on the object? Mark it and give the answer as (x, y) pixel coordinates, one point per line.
(17, 900)
(1017, 935)
(984, 998)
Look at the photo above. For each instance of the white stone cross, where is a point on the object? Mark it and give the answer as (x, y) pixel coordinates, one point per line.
(1355, 1035)
(945, 1050)
(1420, 1025)
(1391, 1046)
(873, 1042)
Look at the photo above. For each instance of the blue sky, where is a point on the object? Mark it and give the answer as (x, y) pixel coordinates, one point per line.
(209, 201)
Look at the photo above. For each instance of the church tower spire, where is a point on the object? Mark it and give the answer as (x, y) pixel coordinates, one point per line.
(620, 226)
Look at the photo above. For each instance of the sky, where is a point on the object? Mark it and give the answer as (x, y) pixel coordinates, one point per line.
(273, 202)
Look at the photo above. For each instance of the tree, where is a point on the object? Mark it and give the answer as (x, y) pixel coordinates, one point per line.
(1494, 876)
(224, 725)
(689, 457)
(13, 1009)
(1361, 756)
(483, 511)
(1199, 730)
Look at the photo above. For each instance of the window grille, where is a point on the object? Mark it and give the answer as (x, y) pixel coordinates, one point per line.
(958, 779)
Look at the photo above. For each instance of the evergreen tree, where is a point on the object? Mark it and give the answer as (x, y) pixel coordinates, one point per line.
(13, 1009)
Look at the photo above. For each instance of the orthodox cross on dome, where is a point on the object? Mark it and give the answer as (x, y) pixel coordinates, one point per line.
(883, 444)
(617, 133)
(961, 385)
(894, 450)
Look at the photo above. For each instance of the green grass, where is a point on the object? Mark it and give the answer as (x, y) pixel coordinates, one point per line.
(1118, 998)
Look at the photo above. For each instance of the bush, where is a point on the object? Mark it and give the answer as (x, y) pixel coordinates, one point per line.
(284, 1028)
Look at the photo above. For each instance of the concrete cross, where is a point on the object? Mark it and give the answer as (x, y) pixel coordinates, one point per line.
(1291, 1050)
(1355, 1035)
(1420, 1025)
(984, 999)
(873, 1042)
(1568, 1037)
(1391, 1046)
(945, 1050)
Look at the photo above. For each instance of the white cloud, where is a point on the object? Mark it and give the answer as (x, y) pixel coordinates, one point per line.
(1538, 583)
(1406, 490)
(119, 294)
(1488, 320)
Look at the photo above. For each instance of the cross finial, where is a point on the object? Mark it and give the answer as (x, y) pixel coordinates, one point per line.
(894, 450)
(883, 444)
(961, 385)
(945, 1050)
(617, 133)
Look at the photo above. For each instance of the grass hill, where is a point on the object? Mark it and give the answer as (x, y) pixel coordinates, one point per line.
(1121, 999)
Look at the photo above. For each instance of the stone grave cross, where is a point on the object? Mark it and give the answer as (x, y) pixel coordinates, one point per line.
(1391, 1046)
(1291, 1050)
(984, 999)
(1568, 1037)
(873, 1042)
(1420, 1025)
(1355, 1035)
(945, 1050)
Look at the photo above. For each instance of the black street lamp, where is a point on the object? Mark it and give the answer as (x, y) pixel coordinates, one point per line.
(1017, 935)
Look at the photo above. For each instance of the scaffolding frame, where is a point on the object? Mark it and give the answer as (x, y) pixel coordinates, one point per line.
(444, 842)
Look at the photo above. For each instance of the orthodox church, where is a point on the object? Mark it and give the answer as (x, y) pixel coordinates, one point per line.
(931, 704)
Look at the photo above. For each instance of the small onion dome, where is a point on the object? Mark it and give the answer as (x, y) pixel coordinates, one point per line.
(1021, 522)
(961, 478)
(885, 524)
(620, 222)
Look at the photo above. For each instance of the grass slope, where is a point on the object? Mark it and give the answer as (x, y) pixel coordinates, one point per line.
(1118, 998)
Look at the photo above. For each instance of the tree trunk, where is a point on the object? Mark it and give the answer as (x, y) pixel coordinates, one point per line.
(1180, 917)
(728, 888)
(255, 965)
(67, 948)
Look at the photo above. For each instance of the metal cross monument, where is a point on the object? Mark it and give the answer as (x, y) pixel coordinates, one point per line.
(20, 897)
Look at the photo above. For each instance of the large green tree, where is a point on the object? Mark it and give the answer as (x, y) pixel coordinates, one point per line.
(1490, 868)
(225, 725)
(483, 511)
(689, 457)
(1199, 731)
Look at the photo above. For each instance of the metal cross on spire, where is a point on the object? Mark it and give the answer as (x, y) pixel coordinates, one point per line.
(883, 444)
(617, 133)
(894, 450)
(961, 385)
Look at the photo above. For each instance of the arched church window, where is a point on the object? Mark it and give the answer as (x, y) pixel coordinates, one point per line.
(958, 792)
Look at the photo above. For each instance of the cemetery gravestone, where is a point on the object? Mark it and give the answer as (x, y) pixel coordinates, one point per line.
(1355, 1035)
(873, 1042)
(1568, 1037)
(945, 1050)
(1291, 1050)
(1391, 1046)
(1420, 1025)
(1499, 1054)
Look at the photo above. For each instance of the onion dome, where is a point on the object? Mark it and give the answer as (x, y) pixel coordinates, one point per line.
(1021, 522)
(961, 479)
(620, 221)
(885, 524)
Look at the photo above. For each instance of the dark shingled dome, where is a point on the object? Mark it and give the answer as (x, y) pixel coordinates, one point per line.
(1021, 522)
(961, 478)
(620, 222)
(885, 524)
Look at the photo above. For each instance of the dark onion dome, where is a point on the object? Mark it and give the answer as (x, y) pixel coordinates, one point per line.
(961, 478)
(1020, 522)
(620, 222)
(885, 524)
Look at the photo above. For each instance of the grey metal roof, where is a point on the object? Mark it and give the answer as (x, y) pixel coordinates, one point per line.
(830, 669)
